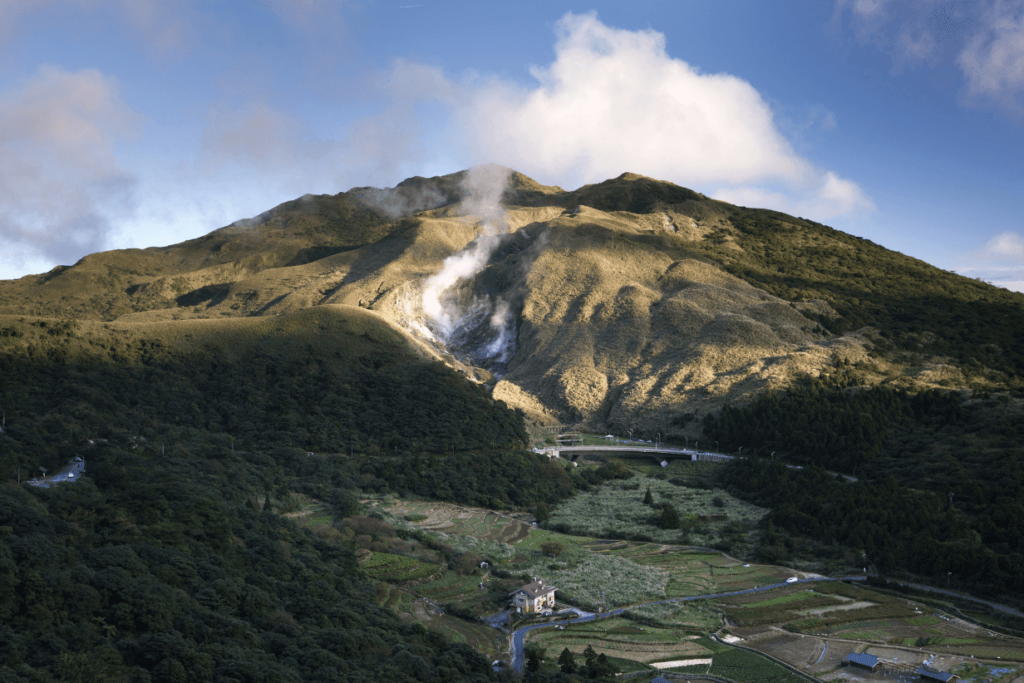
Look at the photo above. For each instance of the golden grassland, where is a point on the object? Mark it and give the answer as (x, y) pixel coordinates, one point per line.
(634, 297)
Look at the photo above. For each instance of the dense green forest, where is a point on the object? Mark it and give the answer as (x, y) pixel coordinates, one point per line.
(939, 476)
(168, 561)
(155, 568)
(320, 380)
(901, 530)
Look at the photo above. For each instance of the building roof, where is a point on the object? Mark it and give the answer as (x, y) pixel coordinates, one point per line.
(535, 589)
(867, 660)
(935, 674)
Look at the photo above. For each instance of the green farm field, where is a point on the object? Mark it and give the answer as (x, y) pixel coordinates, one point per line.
(616, 510)
(622, 638)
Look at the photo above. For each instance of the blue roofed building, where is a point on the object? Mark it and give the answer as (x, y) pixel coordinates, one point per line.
(864, 661)
(930, 675)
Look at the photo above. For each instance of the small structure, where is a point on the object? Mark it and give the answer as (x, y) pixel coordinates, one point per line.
(71, 472)
(864, 661)
(930, 675)
(533, 597)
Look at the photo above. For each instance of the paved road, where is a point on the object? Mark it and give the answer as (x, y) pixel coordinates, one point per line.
(519, 634)
(994, 605)
(71, 472)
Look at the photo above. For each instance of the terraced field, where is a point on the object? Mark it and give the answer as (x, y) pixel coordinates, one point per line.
(746, 667)
(464, 521)
(451, 587)
(621, 638)
(397, 568)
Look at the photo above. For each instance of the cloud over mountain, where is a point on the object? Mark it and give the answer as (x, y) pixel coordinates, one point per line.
(61, 184)
(615, 99)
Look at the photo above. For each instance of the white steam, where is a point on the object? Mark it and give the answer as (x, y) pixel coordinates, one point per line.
(483, 188)
(502, 323)
(461, 266)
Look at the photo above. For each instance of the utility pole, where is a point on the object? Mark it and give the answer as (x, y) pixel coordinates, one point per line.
(659, 439)
(716, 447)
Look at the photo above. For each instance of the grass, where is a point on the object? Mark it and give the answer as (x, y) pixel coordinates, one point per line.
(688, 615)
(396, 568)
(620, 638)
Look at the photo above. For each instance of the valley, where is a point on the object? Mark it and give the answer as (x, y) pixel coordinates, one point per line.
(317, 443)
(691, 616)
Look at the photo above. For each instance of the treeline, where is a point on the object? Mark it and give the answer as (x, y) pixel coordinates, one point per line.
(899, 529)
(831, 421)
(157, 568)
(940, 478)
(59, 391)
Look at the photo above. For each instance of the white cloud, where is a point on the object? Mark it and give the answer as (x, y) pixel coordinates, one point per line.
(984, 39)
(61, 185)
(614, 100)
(1006, 245)
(829, 197)
(1000, 261)
(993, 60)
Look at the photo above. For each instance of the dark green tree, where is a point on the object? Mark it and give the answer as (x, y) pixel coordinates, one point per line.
(567, 662)
(669, 518)
(648, 498)
(542, 513)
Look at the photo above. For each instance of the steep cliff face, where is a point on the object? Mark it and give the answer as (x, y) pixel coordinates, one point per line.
(632, 303)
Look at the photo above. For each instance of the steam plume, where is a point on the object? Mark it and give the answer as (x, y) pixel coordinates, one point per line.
(483, 188)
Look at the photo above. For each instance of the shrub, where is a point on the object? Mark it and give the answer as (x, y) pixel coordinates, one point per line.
(370, 526)
(552, 548)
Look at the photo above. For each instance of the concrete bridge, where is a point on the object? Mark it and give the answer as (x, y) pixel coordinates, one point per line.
(662, 451)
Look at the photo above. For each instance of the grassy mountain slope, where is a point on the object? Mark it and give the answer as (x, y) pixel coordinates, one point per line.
(636, 300)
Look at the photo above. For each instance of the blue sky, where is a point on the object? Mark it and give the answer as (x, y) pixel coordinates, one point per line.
(126, 123)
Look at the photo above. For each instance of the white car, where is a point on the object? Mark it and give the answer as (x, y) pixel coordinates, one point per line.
(791, 579)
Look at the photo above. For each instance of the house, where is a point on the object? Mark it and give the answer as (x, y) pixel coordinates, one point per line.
(864, 661)
(533, 597)
(930, 675)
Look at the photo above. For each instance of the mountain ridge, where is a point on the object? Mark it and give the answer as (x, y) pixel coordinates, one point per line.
(626, 303)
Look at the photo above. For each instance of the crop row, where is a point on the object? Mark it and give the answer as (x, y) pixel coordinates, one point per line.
(746, 667)
(783, 599)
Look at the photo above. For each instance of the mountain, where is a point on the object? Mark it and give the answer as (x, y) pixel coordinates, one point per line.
(627, 304)
(342, 348)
